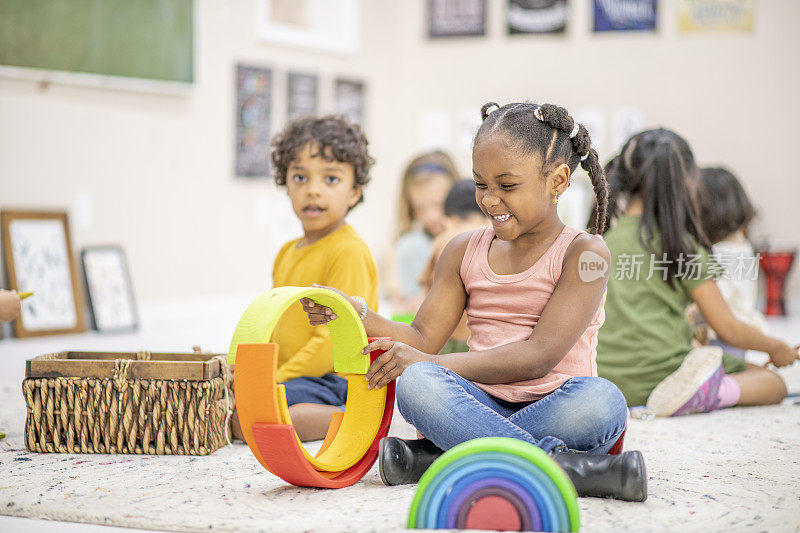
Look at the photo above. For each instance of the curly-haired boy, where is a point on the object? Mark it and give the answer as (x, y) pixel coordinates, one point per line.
(324, 164)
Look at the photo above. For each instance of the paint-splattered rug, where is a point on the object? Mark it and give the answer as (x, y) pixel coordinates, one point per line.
(738, 469)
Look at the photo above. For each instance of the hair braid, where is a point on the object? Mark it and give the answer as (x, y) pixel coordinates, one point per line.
(592, 167)
(559, 119)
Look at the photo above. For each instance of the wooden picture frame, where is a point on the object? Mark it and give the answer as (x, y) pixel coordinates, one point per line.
(38, 257)
(108, 286)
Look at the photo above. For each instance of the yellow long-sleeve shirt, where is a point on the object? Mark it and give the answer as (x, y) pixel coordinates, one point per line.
(341, 260)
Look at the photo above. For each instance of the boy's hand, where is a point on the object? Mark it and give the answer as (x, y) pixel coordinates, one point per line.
(391, 364)
(319, 314)
(784, 355)
(9, 305)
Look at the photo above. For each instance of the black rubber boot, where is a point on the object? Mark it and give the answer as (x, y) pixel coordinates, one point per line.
(401, 461)
(620, 476)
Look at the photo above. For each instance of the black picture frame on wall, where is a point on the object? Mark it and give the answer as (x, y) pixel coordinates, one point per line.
(456, 18)
(349, 99)
(108, 285)
(302, 94)
(532, 17)
(253, 118)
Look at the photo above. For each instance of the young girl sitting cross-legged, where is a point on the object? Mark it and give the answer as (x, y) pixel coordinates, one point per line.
(533, 314)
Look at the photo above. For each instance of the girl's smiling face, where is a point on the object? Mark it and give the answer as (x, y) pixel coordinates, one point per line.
(511, 188)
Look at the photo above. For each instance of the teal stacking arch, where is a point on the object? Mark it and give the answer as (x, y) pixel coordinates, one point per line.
(546, 496)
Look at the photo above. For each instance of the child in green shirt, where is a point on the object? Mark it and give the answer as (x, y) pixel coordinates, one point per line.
(660, 265)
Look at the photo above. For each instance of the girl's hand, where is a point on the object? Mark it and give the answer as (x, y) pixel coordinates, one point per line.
(784, 355)
(319, 314)
(390, 365)
(9, 305)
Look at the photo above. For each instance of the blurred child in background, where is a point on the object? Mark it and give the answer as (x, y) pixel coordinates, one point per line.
(725, 214)
(9, 310)
(421, 218)
(9, 305)
(659, 265)
(462, 214)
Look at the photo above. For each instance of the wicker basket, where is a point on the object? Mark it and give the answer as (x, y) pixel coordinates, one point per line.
(100, 402)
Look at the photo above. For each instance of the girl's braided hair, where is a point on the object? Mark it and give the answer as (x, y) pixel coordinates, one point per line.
(546, 129)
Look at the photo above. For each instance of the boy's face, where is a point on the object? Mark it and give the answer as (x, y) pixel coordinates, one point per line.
(321, 191)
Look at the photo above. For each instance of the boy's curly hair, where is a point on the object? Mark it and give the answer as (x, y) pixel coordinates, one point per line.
(335, 137)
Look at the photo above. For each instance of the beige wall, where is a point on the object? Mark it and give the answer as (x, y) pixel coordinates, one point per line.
(157, 169)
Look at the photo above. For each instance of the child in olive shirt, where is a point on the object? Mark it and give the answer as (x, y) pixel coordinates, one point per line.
(659, 265)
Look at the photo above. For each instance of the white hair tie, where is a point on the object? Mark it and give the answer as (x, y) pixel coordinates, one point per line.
(584, 156)
(538, 113)
(574, 131)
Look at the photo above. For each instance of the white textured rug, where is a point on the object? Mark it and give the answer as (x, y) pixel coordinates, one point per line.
(733, 470)
(737, 469)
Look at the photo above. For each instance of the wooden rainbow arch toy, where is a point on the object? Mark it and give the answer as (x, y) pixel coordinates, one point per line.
(351, 445)
(495, 483)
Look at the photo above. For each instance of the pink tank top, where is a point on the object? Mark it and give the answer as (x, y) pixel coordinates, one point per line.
(502, 309)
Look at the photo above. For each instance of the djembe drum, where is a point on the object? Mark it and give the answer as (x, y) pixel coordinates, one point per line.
(776, 266)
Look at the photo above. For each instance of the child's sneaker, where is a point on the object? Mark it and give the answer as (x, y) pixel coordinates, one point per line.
(693, 387)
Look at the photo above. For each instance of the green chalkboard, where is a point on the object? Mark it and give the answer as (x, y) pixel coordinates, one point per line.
(150, 39)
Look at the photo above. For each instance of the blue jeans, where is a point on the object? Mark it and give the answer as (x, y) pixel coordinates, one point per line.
(586, 413)
(329, 389)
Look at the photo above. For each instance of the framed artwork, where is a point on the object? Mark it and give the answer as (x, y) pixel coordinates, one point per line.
(625, 15)
(108, 284)
(330, 26)
(253, 116)
(349, 100)
(302, 94)
(537, 16)
(716, 16)
(38, 255)
(456, 18)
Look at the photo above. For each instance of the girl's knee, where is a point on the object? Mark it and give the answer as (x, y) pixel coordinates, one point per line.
(608, 411)
(416, 378)
(415, 386)
(606, 400)
(760, 386)
(777, 385)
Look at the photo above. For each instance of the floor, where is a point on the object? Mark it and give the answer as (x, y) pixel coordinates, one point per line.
(732, 470)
